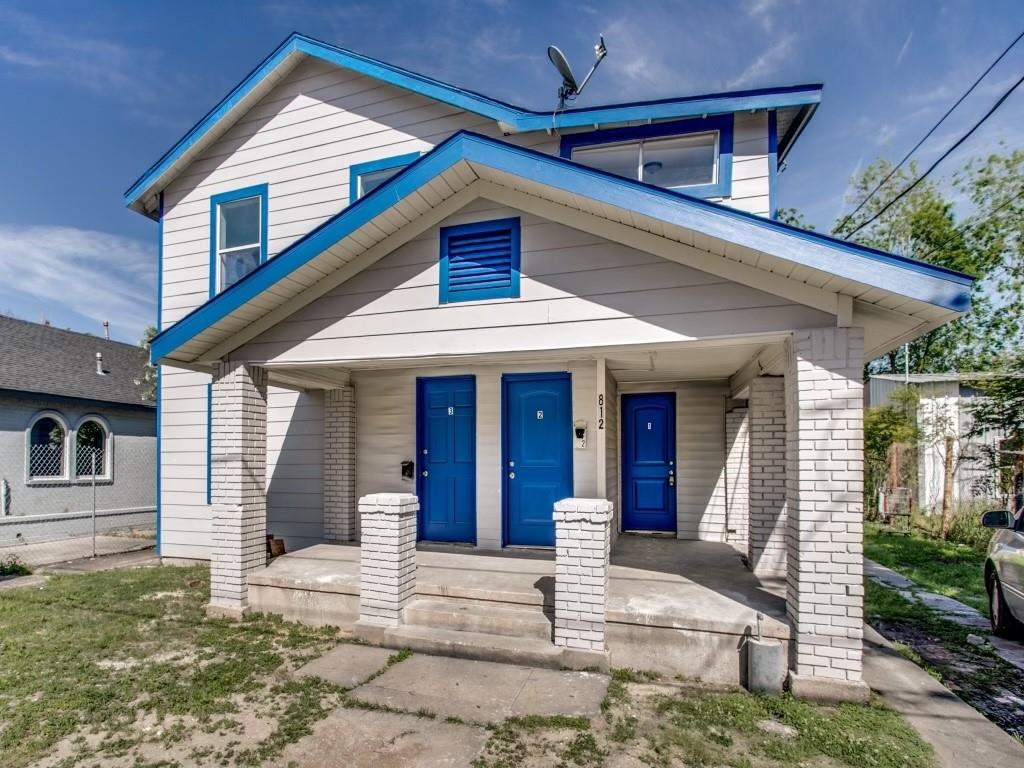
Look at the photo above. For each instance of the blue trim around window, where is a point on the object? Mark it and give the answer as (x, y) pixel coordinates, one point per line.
(773, 160)
(494, 225)
(915, 279)
(357, 170)
(258, 190)
(723, 124)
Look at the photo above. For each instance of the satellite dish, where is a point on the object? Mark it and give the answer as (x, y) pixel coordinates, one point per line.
(569, 90)
(562, 65)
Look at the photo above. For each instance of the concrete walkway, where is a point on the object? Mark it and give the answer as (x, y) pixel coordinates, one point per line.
(953, 610)
(65, 550)
(960, 735)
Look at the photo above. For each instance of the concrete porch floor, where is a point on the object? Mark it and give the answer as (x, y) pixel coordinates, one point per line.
(680, 607)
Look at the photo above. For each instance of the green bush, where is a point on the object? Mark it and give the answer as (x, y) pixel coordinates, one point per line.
(10, 565)
(966, 527)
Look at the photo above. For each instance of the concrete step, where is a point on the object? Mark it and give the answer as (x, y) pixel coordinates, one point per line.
(479, 646)
(485, 618)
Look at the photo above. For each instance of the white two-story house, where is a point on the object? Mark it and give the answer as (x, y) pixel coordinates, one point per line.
(373, 282)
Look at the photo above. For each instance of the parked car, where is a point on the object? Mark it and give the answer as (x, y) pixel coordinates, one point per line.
(1004, 571)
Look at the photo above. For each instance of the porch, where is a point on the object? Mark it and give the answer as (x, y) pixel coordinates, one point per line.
(673, 606)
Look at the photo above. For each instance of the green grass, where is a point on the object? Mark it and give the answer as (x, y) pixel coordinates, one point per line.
(953, 570)
(93, 653)
(716, 729)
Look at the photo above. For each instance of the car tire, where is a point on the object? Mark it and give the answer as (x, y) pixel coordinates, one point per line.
(1003, 623)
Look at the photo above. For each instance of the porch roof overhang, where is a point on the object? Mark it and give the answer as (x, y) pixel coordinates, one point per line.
(796, 105)
(814, 269)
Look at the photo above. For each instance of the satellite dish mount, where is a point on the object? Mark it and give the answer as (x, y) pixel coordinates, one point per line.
(569, 89)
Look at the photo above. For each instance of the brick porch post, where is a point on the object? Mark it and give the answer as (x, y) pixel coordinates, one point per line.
(387, 560)
(766, 545)
(238, 464)
(825, 529)
(340, 465)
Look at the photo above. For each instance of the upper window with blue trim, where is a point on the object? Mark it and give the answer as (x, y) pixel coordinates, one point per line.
(480, 261)
(363, 178)
(238, 235)
(690, 156)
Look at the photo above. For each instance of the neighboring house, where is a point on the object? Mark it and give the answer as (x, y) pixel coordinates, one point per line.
(375, 282)
(67, 400)
(943, 410)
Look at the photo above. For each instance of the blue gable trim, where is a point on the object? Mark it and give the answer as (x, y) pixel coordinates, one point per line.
(722, 123)
(515, 119)
(897, 273)
(260, 191)
(357, 170)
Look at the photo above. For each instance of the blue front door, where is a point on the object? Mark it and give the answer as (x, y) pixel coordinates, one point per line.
(446, 447)
(537, 454)
(649, 462)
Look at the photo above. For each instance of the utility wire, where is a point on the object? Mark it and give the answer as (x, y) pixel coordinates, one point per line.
(925, 138)
(942, 157)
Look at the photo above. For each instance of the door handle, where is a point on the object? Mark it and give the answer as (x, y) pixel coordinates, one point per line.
(425, 473)
(671, 480)
(511, 475)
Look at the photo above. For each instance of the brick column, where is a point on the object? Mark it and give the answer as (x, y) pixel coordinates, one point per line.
(766, 548)
(737, 477)
(340, 465)
(238, 483)
(582, 547)
(825, 468)
(387, 560)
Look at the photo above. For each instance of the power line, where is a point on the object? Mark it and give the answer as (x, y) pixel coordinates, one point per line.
(925, 138)
(942, 157)
(963, 228)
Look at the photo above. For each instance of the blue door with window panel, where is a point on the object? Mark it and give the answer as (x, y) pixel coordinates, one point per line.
(649, 462)
(446, 447)
(537, 454)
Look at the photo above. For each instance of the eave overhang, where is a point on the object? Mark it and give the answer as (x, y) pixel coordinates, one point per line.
(141, 195)
(468, 165)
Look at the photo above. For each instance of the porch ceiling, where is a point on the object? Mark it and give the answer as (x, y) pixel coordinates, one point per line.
(907, 298)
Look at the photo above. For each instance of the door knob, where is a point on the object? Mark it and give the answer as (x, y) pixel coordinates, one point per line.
(511, 475)
(425, 473)
(671, 480)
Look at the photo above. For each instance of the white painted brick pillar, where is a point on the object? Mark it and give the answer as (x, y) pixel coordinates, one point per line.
(766, 547)
(238, 479)
(737, 477)
(582, 548)
(340, 465)
(387, 557)
(825, 459)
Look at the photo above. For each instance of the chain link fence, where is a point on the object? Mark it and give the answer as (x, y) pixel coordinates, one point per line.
(85, 498)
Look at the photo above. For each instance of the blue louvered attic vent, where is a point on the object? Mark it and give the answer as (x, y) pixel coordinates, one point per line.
(480, 261)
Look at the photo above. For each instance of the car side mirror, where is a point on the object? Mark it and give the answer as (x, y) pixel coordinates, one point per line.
(997, 518)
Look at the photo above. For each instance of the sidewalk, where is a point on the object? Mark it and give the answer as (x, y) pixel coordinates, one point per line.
(960, 735)
(1010, 651)
(65, 550)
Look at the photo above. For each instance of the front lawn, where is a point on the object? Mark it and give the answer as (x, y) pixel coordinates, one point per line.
(936, 566)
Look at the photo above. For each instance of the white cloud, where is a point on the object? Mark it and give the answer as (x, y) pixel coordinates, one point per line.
(904, 48)
(78, 277)
(768, 63)
(762, 11)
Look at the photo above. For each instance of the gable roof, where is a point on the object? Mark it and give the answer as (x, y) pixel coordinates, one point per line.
(452, 168)
(44, 360)
(800, 99)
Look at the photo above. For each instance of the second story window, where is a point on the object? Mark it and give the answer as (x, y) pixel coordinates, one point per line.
(238, 231)
(363, 178)
(693, 156)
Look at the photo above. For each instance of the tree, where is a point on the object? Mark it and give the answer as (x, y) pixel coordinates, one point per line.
(1000, 409)
(890, 434)
(148, 375)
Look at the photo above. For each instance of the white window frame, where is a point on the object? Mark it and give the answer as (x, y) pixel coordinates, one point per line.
(107, 475)
(640, 142)
(259, 192)
(65, 475)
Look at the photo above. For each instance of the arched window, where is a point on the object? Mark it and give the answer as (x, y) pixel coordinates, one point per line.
(92, 448)
(47, 447)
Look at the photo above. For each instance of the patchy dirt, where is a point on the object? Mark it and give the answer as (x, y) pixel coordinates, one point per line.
(974, 673)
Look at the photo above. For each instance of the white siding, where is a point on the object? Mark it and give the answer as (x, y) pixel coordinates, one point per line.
(700, 455)
(577, 290)
(295, 434)
(750, 187)
(386, 433)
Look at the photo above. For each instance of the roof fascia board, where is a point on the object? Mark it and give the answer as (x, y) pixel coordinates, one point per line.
(512, 119)
(906, 277)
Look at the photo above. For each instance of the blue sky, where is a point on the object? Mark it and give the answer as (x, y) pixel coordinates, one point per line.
(95, 92)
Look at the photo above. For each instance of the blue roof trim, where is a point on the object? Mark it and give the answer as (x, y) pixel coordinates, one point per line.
(516, 118)
(906, 276)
